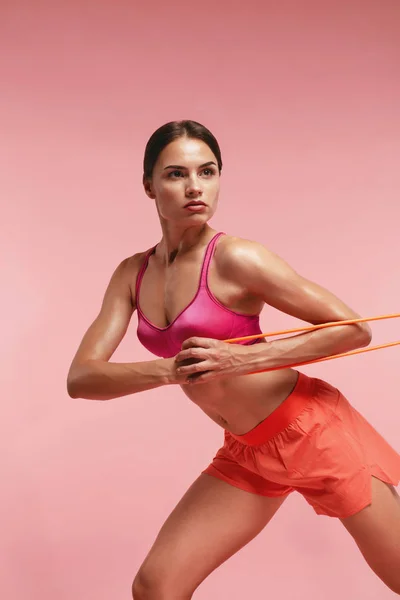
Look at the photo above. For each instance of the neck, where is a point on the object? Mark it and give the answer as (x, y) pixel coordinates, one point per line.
(179, 241)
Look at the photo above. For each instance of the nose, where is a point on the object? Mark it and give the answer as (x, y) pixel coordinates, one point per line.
(193, 187)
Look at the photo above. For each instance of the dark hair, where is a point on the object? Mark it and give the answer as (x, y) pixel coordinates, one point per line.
(169, 132)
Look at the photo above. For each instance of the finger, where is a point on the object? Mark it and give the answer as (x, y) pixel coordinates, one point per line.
(201, 377)
(190, 353)
(198, 342)
(199, 367)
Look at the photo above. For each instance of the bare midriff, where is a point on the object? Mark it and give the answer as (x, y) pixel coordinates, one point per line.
(240, 403)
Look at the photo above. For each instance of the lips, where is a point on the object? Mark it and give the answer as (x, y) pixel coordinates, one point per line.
(195, 203)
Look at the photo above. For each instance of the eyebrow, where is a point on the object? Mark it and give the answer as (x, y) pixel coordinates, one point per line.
(211, 162)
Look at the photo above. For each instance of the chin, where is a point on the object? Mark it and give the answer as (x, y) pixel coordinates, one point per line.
(199, 219)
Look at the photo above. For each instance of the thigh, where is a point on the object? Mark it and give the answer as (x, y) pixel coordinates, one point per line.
(212, 521)
(376, 531)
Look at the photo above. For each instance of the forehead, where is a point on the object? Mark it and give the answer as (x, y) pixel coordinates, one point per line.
(185, 151)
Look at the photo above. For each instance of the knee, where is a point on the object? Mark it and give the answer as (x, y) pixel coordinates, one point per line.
(150, 584)
(143, 587)
(395, 586)
(391, 580)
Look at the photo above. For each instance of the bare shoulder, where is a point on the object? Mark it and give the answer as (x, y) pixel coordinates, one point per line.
(252, 265)
(127, 269)
(130, 266)
(241, 254)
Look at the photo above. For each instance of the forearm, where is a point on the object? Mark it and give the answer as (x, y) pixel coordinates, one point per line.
(307, 347)
(101, 380)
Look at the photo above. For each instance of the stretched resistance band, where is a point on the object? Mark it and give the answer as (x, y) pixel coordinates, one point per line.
(322, 326)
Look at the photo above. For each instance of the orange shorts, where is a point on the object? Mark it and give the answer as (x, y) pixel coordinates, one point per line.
(314, 443)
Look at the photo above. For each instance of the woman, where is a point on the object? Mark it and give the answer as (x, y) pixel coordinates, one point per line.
(283, 430)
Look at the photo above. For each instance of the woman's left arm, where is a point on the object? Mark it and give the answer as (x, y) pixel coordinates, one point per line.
(268, 277)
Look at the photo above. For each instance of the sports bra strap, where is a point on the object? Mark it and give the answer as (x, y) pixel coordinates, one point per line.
(142, 270)
(204, 270)
(207, 259)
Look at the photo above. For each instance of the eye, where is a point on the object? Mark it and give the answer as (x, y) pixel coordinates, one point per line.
(176, 173)
(208, 171)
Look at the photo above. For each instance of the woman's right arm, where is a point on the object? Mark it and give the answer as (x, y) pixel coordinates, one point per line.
(91, 375)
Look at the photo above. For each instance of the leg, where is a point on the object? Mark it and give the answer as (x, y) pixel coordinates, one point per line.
(376, 531)
(211, 522)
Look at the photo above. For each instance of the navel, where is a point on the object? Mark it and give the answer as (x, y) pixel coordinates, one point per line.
(222, 420)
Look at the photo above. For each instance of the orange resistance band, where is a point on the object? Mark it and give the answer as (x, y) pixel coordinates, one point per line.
(322, 326)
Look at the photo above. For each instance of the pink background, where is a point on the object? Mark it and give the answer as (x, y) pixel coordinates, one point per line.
(304, 98)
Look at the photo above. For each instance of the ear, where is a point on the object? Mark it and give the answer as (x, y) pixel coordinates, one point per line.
(148, 188)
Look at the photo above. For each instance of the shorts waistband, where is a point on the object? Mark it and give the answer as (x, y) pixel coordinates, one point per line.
(282, 416)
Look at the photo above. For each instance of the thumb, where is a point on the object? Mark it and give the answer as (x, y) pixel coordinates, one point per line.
(197, 342)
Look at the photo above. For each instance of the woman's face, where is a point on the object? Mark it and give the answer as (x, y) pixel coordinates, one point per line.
(185, 181)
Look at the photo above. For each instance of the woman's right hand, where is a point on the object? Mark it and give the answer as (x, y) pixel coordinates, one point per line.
(177, 378)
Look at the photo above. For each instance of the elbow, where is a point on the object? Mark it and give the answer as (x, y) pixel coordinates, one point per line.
(74, 382)
(80, 384)
(72, 388)
(364, 335)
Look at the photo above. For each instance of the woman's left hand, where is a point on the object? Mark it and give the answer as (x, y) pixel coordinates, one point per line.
(213, 359)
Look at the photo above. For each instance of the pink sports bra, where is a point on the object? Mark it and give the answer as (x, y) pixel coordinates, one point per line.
(203, 317)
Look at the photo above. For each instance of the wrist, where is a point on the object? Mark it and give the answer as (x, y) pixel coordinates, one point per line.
(167, 371)
(258, 357)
